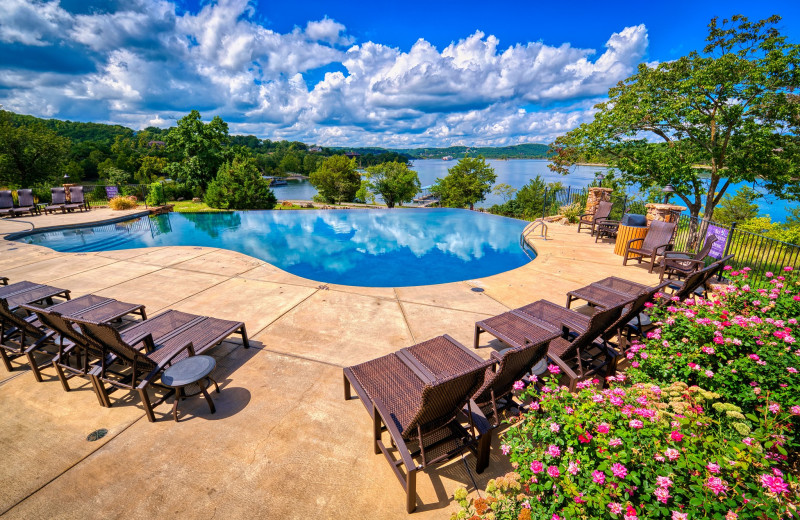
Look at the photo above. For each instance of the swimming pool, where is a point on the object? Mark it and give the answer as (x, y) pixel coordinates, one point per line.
(374, 248)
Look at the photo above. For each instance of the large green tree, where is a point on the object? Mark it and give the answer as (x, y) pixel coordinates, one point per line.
(466, 183)
(394, 181)
(239, 185)
(703, 121)
(30, 153)
(201, 147)
(336, 179)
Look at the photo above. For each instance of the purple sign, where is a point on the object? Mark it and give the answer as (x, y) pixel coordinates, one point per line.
(111, 192)
(718, 248)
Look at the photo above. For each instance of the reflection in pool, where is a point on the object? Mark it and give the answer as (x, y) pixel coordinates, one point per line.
(377, 248)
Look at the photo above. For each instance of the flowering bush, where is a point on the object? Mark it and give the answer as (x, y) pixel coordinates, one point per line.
(741, 343)
(637, 451)
(120, 203)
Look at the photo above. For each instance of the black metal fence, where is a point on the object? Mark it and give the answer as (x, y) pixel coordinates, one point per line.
(99, 194)
(554, 202)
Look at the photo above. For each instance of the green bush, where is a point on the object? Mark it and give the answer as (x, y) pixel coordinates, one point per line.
(155, 195)
(239, 185)
(336, 179)
(98, 194)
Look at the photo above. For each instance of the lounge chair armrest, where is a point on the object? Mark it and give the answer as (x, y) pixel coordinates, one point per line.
(634, 240)
(569, 326)
(146, 338)
(498, 355)
(587, 215)
(663, 247)
(473, 414)
(686, 255)
(161, 366)
(380, 412)
(562, 365)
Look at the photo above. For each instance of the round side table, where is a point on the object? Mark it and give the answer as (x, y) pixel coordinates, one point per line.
(187, 371)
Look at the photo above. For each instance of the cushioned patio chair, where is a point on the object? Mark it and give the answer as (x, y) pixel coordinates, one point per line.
(601, 212)
(657, 240)
(680, 264)
(421, 414)
(26, 204)
(24, 337)
(58, 199)
(76, 199)
(149, 347)
(6, 202)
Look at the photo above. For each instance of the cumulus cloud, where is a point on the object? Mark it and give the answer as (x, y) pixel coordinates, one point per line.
(150, 62)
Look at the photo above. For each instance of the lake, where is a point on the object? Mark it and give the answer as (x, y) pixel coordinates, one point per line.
(517, 173)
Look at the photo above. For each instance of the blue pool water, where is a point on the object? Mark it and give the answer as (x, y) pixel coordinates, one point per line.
(375, 248)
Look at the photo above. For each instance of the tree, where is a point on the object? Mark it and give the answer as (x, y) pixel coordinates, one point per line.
(290, 163)
(504, 191)
(239, 185)
(466, 183)
(739, 208)
(336, 179)
(151, 169)
(30, 153)
(726, 115)
(394, 181)
(201, 147)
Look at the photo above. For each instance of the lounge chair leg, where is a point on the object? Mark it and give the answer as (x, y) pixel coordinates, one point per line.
(245, 341)
(477, 336)
(100, 390)
(6, 359)
(37, 374)
(376, 430)
(61, 376)
(411, 490)
(484, 445)
(347, 395)
(148, 408)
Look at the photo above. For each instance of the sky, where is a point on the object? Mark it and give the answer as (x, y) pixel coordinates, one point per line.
(388, 74)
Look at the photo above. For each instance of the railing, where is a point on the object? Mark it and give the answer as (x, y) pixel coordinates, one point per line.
(758, 252)
(98, 194)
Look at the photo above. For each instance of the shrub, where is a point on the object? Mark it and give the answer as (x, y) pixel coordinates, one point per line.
(155, 195)
(120, 202)
(239, 185)
(637, 451)
(741, 344)
(572, 212)
(97, 194)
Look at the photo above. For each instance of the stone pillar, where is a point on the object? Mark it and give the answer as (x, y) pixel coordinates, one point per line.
(596, 196)
(66, 191)
(663, 212)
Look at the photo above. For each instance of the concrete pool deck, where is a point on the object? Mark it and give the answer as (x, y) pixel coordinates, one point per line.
(283, 443)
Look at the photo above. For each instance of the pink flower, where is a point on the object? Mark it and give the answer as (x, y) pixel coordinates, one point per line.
(677, 515)
(555, 517)
(769, 274)
(553, 471)
(774, 408)
(636, 423)
(748, 441)
(788, 268)
(774, 484)
(599, 477)
(615, 508)
(616, 441)
(676, 436)
(554, 427)
(619, 470)
(602, 428)
(672, 454)
(573, 467)
(795, 410)
(716, 485)
(791, 370)
(713, 468)
(709, 373)
(664, 482)
(708, 350)
(537, 466)
(662, 494)
(731, 515)
(553, 369)
(518, 385)
(505, 448)
(553, 451)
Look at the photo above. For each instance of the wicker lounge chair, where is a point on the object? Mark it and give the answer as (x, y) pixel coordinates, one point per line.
(58, 199)
(23, 337)
(680, 264)
(658, 239)
(6, 202)
(26, 204)
(695, 283)
(149, 347)
(601, 212)
(76, 354)
(77, 200)
(25, 292)
(422, 414)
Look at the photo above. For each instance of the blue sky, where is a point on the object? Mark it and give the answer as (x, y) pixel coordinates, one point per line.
(391, 74)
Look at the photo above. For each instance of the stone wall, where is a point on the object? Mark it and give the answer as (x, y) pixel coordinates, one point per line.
(596, 196)
(663, 212)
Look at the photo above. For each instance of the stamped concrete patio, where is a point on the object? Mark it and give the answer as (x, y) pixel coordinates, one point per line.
(283, 443)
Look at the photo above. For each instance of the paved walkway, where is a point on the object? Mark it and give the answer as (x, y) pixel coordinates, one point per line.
(283, 443)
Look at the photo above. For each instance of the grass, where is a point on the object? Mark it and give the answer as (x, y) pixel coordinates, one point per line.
(187, 206)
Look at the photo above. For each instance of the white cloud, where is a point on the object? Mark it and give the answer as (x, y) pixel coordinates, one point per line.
(153, 65)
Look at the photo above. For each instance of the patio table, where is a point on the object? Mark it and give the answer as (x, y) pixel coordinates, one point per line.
(187, 371)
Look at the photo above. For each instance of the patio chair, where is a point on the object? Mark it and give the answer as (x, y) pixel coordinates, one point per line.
(601, 212)
(654, 244)
(695, 283)
(582, 351)
(58, 199)
(681, 264)
(6, 202)
(150, 346)
(23, 337)
(26, 204)
(606, 229)
(422, 414)
(77, 200)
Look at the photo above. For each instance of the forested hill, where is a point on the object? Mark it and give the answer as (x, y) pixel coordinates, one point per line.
(519, 151)
(77, 132)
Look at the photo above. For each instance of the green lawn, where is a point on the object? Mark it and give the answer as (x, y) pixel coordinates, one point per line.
(187, 206)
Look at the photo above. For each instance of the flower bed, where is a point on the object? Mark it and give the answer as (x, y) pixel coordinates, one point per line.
(702, 426)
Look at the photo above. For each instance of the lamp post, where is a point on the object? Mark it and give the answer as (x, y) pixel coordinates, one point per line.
(668, 190)
(599, 177)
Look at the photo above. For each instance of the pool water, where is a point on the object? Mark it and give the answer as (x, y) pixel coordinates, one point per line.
(374, 248)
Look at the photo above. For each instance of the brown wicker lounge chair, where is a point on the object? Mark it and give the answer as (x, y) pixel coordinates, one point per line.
(422, 414)
(76, 354)
(58, 199)
(26, 292)
(601, 212)
(679, 264)
(695, 284)
(26, 204)
(658, 239)
(147, 348)
(24, 337)
(6, 202)
(76, 199)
